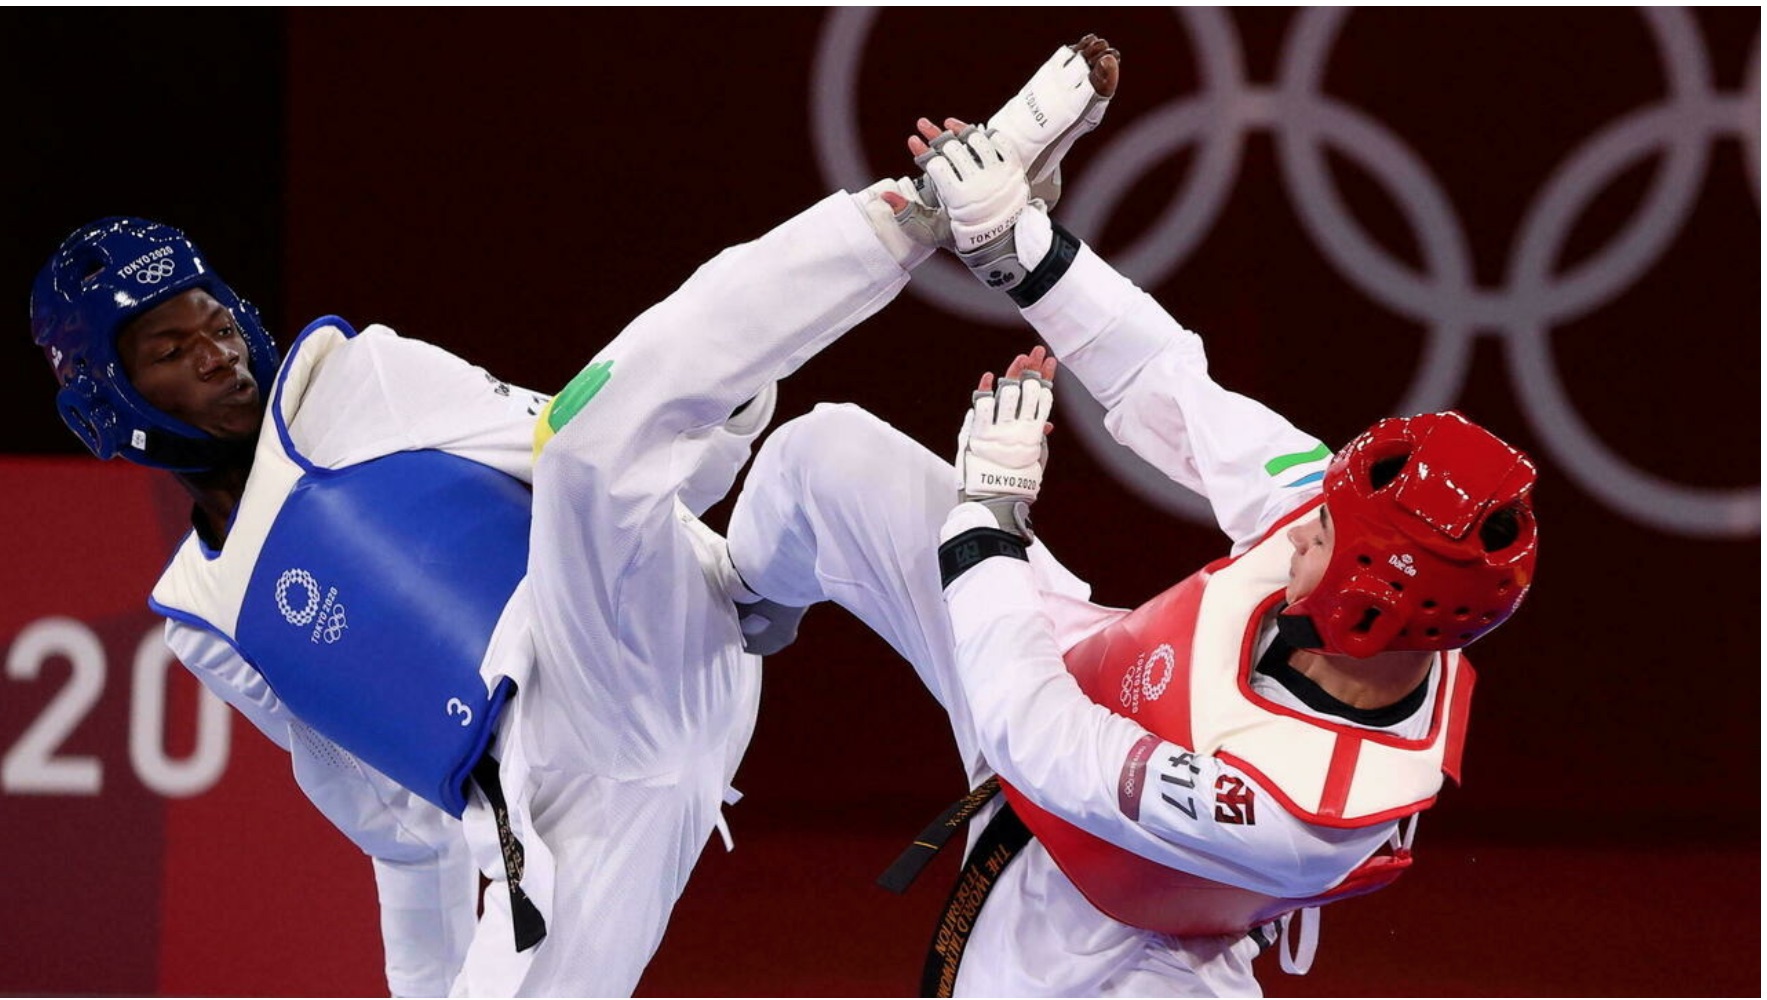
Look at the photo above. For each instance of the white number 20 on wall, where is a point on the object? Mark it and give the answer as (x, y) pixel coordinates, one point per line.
(34, 765)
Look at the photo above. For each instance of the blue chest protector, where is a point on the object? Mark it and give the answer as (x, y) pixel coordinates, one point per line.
(373, 601)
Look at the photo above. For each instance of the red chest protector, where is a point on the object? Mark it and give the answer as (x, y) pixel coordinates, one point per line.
(1180, 666)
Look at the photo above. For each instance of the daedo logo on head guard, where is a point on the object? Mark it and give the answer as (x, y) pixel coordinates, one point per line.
(299, 600)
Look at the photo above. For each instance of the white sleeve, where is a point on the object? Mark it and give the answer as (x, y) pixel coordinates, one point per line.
(1069, 755)
(385, 393)
(401, 394)
(428, 884)
(727, 448)
(1152, 377)
(748, 317)
(230, 678)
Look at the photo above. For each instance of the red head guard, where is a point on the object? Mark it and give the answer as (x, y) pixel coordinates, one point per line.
(1434, 540)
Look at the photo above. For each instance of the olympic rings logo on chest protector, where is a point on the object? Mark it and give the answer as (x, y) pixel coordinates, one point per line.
(1681, 130)
(1149, 677)
(299, 585)
(334, 624)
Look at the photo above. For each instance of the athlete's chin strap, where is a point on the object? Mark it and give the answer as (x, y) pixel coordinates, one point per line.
(183, 454)
(1298, 631)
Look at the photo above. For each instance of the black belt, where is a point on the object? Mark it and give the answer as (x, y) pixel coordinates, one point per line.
(1001, 841)
(530, 926)
(919, 854)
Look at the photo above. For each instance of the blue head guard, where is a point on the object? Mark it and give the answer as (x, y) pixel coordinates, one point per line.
(102, 276)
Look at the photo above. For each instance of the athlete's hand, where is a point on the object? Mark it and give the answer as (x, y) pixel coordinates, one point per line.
(983, 191)
(1065, 99)
(1002, 449)
(1039, 362)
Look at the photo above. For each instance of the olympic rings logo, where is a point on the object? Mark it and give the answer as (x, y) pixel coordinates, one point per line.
(334, 624)
(1140, 683)
(328, 610)
(309, 608)
(1446, 298)
(156, 272)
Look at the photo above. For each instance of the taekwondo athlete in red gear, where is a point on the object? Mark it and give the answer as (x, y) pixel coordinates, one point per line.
(486, 623)
(1251, 744)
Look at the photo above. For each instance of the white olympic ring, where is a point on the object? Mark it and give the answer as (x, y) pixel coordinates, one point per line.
(335, 624)
(156, 272)
(1445, 298)
(303, 579)
(1129, 692)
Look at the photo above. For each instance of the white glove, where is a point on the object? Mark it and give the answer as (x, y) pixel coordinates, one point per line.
(922, 219)
(982, 187)
(1002, 450)
(1055, 108)
(912, 234)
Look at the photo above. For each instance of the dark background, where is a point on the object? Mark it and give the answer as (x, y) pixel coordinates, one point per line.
(515, 186)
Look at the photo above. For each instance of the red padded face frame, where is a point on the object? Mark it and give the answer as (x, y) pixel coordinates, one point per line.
(1410, 568)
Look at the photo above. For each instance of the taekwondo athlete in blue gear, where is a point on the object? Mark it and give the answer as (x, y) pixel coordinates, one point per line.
(367, 712)
(635, 697)
(356, 564)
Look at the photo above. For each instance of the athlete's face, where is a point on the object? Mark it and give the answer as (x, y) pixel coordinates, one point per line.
(1312, 539)
(186, 358)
